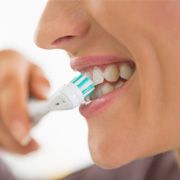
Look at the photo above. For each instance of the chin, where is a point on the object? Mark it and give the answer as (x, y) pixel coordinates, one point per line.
(109, 156)
(106, 160)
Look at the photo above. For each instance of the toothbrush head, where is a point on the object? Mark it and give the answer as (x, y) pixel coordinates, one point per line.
(72, 94)
(84, 84)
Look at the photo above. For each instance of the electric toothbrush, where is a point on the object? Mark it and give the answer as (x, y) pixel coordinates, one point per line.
(67, 97)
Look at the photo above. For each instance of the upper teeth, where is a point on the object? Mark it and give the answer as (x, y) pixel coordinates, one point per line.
(125, 71)
(88, 74)
(111, 73)
(97, 76)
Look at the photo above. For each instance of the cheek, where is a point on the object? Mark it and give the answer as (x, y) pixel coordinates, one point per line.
(115, 19)
(125, 20)
(136, 124)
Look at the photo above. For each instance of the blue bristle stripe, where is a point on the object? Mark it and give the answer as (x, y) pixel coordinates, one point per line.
(89, 93)
(77, 78)
(82, 82)
(89, 89)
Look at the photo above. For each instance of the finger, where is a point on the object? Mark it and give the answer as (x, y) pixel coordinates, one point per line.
(14, 147)
(13, 110)
(39, 85)
(8, 143)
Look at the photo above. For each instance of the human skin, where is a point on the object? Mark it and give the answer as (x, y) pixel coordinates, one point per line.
(145, 119)
(19, 79)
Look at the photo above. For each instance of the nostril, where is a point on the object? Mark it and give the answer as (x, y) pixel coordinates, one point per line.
(61, 40)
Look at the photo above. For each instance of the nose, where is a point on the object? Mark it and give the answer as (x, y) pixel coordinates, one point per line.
(62, 23)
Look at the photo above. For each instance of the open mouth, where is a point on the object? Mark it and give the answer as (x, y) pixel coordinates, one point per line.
(109, 75)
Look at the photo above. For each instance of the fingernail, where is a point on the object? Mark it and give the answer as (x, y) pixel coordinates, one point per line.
(25, 141)
(20, 133)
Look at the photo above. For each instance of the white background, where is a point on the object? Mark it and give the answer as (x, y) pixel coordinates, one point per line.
(62, 135)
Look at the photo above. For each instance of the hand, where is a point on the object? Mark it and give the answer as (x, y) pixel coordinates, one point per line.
(18, 80)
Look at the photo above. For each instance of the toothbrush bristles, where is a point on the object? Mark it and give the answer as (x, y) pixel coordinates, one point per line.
(85, 85)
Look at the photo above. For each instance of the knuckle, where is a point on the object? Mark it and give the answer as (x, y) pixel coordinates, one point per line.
(42, 80)
(11, 55)
(14, 108)
(12, 78)
(35, 67)
(13, 66)
(37, 71)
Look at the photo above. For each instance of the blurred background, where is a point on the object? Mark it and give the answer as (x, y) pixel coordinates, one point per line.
(62, 135)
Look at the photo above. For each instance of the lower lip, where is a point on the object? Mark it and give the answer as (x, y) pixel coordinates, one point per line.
(101, 104)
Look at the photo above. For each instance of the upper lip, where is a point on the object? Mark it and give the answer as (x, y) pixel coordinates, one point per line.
(81, 63)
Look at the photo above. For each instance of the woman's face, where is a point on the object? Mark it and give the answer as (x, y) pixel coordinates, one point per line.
(142, 117)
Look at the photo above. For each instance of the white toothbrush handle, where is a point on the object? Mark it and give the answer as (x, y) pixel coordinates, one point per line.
(37, 109)
(67, 97)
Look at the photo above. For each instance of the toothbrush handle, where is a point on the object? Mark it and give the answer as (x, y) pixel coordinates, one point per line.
(37, 109)
(65, 98)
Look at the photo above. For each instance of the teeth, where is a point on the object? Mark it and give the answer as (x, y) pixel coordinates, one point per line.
(93, 95)
(101, 90)
(97, 76)
(111, 73)
(87, 98)
(106, 88)
(119, 84)
(88, 74)
(125, 71)
(98, 92)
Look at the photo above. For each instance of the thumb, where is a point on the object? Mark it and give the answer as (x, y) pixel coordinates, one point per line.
(39, 85)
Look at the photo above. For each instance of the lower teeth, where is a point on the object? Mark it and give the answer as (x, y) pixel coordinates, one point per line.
(104, 88)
